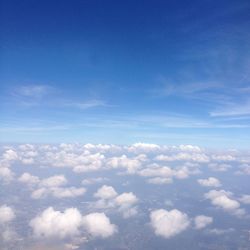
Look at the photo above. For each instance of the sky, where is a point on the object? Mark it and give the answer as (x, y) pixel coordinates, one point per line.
(166, 72)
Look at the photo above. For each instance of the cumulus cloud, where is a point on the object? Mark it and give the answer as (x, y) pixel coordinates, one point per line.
(105, 192)
(10, 155)
(70, 223)
(6, 174)
(58, 192)
(91, 181)
(98, 225)
(184, 156)
(168, 223)
(130, 164)
(54, 181)
(29, 179)
(51, 186)
(210, 182)
(202, 221)
(223, 200)
(245, 199)
(7, 214)
(219, 167)
(109, 198)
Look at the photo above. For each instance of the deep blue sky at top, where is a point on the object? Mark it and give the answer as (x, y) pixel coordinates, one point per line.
(124, 71)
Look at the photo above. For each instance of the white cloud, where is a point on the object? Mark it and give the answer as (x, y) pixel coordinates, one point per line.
(70, 223)
(130, 164)
(245, 199)
(6, 174)
(168, 223)
(219, 167)
(29, 179)
(160, 180)
(50, 186)
(210, 182)
(184, 156)
(7, 214)
(10, 155)
(105, 192)
(202, 221)
(98, 225)
(223, 157)
(55, 224)
(54, 181)
(223, 200)
(91, 181)
(109, 198)
(219, 231)
(58, 192)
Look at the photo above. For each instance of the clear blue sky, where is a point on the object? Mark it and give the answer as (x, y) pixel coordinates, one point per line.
(165, 72)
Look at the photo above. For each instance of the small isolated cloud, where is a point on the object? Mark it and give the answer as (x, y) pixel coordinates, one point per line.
(210, 182)
(219, 231)
(223, 200)
(160, 180)
(7, 214)
(91, 181)
(168, 223)
(70, 223)
(202, 221)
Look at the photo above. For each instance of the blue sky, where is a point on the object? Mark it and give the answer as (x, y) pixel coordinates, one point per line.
(166, 72)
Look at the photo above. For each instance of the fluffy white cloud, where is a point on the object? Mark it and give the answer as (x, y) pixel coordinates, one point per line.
(50, 186)
(91, 181)
(105, 192)
(58, 192)
(29, 179)
(7, 214)
(223, 200)
(130, 164)
(184, 156)
(245, 199)
(219, 167)
(109, 198)
(55, 224)
(202, 221)
(210, 182)
(168, 223)
(10, 155)
(98, 225)
(70, 223)
(6, 174)
(54, 181)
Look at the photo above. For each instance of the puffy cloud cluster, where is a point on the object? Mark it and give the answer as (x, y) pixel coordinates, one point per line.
(70, 223)
(222, 199)
(164, 175)
(7, 214)
(109, 198)
(50, 186)
(168, 223)
(202, 221)
(210, 182)
(245, 199)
